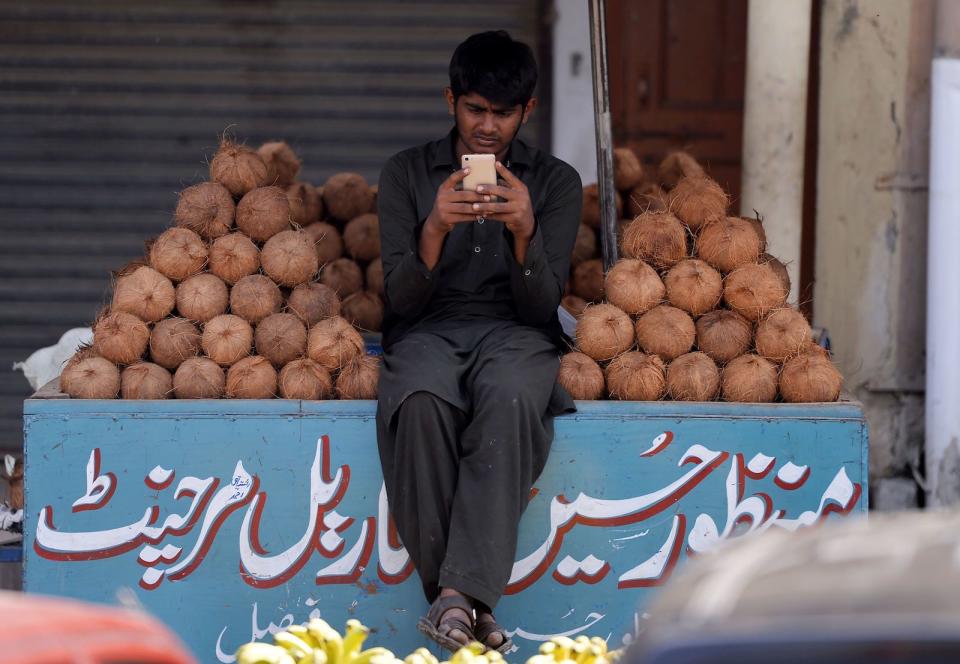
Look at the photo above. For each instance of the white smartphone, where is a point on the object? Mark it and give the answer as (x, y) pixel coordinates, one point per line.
(483, 170)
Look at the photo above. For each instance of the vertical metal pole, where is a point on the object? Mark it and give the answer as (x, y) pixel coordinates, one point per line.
(601, 111)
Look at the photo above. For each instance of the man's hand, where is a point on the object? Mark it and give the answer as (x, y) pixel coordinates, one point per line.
(452, 207)
(516, 210)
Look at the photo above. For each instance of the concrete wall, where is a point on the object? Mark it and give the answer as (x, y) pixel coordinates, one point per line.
(871, 216)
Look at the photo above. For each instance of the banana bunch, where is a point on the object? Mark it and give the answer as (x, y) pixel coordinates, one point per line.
(317, 643)
(581, 650)
(475, 653)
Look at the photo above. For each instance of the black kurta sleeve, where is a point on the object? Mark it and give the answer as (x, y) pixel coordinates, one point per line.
(407, 282)
(538, 283)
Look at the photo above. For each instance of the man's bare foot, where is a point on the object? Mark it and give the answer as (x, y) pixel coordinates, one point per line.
(452, 619)
(487, 631)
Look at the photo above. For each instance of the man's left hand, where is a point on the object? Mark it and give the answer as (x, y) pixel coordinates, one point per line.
(516, 211)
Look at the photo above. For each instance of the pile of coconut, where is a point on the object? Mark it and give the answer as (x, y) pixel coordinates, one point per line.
(257, 290)
(696, 310)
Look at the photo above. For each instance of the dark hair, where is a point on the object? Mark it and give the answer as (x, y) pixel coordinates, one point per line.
(496, 66)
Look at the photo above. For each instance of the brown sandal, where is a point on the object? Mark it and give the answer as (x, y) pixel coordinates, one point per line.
(434, 627)
(484, 630)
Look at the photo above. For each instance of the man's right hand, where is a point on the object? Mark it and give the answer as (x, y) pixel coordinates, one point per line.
(452, 206)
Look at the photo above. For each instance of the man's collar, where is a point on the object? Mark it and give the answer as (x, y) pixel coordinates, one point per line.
(443, 153)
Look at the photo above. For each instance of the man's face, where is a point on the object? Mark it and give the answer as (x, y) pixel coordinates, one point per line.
(484, 127)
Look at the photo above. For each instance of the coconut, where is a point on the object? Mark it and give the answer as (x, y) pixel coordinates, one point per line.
(305, 379)
(238, 168)
(282, 163)
(757, 225)
(749, 379)
(178, 253)
(753, 290)
(666, 331)
(145, 380)
(198, 378)
(131, 266)
(202, 297)
(627, 171)
(313, 302)
(782, 334)
(588, 280)
(724, 335)
(227, 339)
(636, 376)
(289, 258)
(676, 166)
(604, 331)
(698, 201)
(573, 304)
(693, 286)
(358, 378)
(281, 338)
(633, 286)
(333, 342)
(590, 213)
(364, 310)
(120, 337)
(728, 243)
(779, 269)
(233, 257)
(252, 377)
(362, 237)
(343, 276)
(145, 293)
(90, 377)
(585, 247)
(812, 347)
(809, 378)
(255, 297)
(206, 208)
(172, 341)
(305, 206)
(581, 377)
(326, 239)
(646, 197)
(657, 238)
(693, 377)
(263, 212)
(347, 195)
(374, 276)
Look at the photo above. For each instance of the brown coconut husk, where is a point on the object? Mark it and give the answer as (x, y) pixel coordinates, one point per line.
(728, 243)
(698, 202)
(233, 257)
(202, 297)
(327, 241)
(255, 297)
(305, 379)
(636, 376)
(723, 335)
(646, 197)
(364, 310)
(633, 286)
(693, 377)
(756, 223)
(198, 378)
(665, 331)
(749, 379)
(782, 334)
(227, 339)
(573, 304)
(131, 266)
(588, 280)
(263, 212)
(282, 163)
(754, 290)
(344, 276)
(238, 168)
(585, 247)
(206, 209)
(810, 378)
(289, 258)
(778, 268)
(252, 377)
(658, 238)
(145, 293)
(313, 302)
(374, 276)
(362, 237)
(604, 331)
(590, 213)
(812, 347)
(281, 338)
(172, 341)
(178, 253)
(333, 342)
(347, 195)
(693, 286)
(90, 377)
(677, 166)
(627, 170)
(581, 377)
(358, 378)
(305, 205)
(145, 380)
(120, 337)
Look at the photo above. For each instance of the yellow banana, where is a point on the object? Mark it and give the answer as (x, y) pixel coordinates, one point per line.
(294, 645)
(303, 633)
(318, 656)
(327, 638)
(263, 653)
(371, 654)
(353, 640)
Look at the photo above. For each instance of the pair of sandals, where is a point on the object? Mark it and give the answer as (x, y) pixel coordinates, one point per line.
(434, 627)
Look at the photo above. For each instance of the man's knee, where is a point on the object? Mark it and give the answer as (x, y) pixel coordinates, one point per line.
(421, 405)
